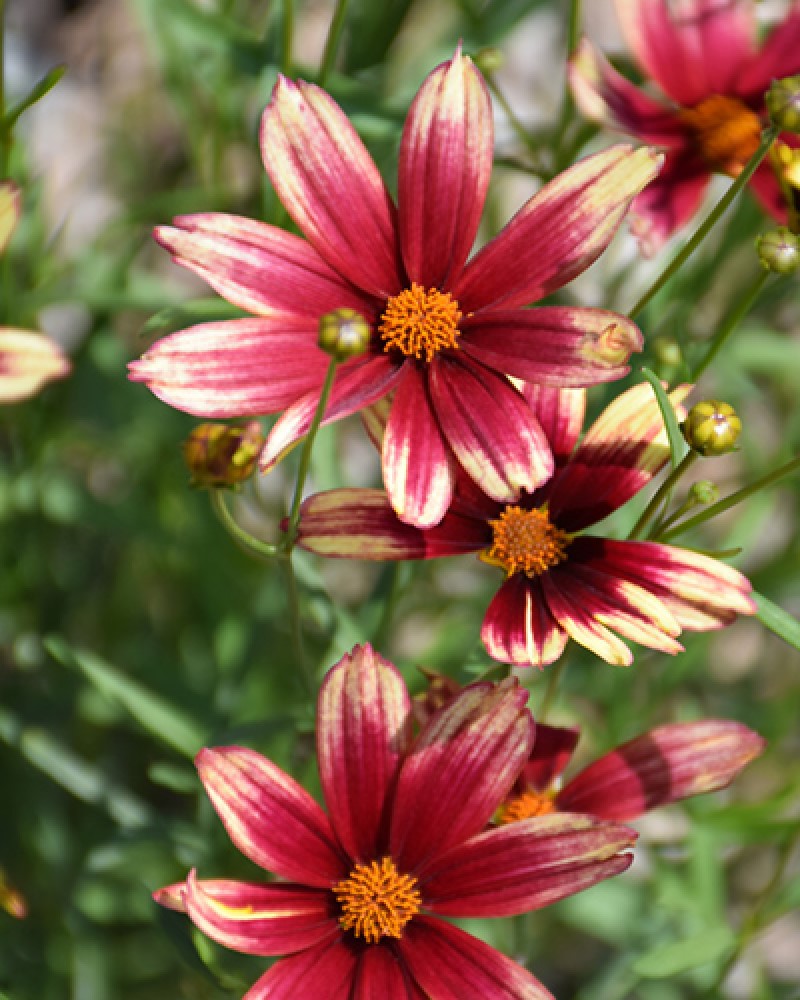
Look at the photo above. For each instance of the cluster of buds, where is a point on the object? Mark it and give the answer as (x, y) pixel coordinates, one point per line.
(221, 455)
(712, 428)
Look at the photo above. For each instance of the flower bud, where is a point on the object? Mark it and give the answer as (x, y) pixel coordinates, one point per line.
(703, 492)
(779, 250)
(11, 899)
(783, 103)
(712, 427)
(344, 333)
(667, 351)
(219, 455)
(489, 60)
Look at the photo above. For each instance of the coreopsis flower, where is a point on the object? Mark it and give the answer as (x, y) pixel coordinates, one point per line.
(703, 55)
(404, 842)
(559, 582)
(445, 332)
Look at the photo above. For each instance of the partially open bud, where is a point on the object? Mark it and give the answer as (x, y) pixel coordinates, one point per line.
(220, 455)
(783, 103)
(712, 427)
(703, 492)
(785, 160)
(779, 250)
(344, 333)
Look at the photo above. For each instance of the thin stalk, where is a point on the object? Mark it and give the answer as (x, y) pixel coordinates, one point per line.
(732, 320)
(662, 492)
(550, 691)
(287, 33)
(520, 131)
(296, 628)
(567, 103)
(384, 625)
(264, 550)
(716, 214)
(332, 41)
(5, 132)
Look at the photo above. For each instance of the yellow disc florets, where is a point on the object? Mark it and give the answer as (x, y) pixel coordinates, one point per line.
(526, 805)
(726, 132)
(377, 901)
(420, 323)
(526, 541)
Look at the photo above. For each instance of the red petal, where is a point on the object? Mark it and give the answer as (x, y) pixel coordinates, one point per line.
(560, 413)
(552, 751)
(518, 627)
(326, 972)
(779, 57)
(671, 201)
(580, 624)
(764, 185)
(382, 975)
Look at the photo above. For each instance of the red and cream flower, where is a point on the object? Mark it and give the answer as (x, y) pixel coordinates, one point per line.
(560, 583)
(404, 842)
(703, 55)
(446, 332)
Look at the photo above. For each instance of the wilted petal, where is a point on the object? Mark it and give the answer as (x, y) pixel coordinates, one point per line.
(669, 763)
(28, 361)
(10, 208)
(552, 751)
(674, 197)
(325, 972)
(579, 623)
(518, 627)
(560, 413)
(779, 57)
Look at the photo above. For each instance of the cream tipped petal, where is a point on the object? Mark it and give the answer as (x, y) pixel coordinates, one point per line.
(28, 361)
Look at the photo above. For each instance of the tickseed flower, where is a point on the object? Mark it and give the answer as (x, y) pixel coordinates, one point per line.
(560, 583)
(703, 56)
(445, 332)
(404, 842)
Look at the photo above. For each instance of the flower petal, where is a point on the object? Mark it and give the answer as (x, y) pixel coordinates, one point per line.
(462, 766)
(363, 732)
(382, 975)
(490, 428)
(28, 361)
(270, 818)
(671, 201)
(236, 368)
(260, 919)
(257, 267)
(558, 233)
(450, 964)
(765, 186)
(669, 763)
(445, 163)
(560, 413)
(518, 627)
(579, 623)
(552, 751)
(417, 466)
(327, 182)
(524, 866)
(779, 57)
(326, 972)
(554, 345)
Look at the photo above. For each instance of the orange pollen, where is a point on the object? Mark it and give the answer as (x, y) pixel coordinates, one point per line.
(726, 132)
(377, 901)
(420, 323)
(525, 806)
(526, 541)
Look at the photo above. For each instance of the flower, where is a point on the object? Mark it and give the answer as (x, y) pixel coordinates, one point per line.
(559, 582)
(444, 330)
(404, 843)
(702, 55)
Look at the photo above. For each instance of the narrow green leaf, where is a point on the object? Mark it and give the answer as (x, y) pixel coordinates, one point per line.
(187, 313)
(43, 87)
(777, 620)
(677, 445)
(680, 956)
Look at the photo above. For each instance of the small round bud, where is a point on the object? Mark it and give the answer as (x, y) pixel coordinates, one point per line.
(779, 250)
(783, 103)
(667, 351)
(344, 333)
(219, 455)
(704, 492)
(712, 427)
(489, 60)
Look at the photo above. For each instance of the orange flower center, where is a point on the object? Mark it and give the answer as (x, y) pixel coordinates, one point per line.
(526, 541)
(525, 806)
(420, 323)
(726, 132)
(377, 901)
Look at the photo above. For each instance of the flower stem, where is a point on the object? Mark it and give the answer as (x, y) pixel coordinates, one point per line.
(5, 131)
(662, 493)
(730, 323)
(264, 550)
(524, 136)
(714, 216)
(332, 41)
(287, 31)
(296, 628)
(551, 689)
(567, 104)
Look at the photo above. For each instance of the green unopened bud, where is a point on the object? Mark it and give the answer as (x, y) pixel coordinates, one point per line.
(712, 427)
(489, 60)
(783, 103)
(779, 250)
(703, 492)
(344, 333)
(667, 351)
(219, 455)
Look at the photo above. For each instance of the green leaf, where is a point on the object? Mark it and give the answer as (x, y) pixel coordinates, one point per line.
(43, 87)
(677, 445)
(777, 620)
(671, 959)
(188, 313)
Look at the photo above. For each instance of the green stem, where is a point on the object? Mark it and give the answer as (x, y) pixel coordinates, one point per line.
(332, 41)
(5, 132)
(384, 625)
(730, 323)
(263, 550)
(550, 691)
(524, 136)
(296, 628)
(733, 499)
(662, 492)
(567, 104)
(717, 212)
(287, 32)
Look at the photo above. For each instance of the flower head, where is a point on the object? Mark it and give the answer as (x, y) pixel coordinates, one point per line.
(702, 54)
(444, 329)
(560, 583)
(404, 842)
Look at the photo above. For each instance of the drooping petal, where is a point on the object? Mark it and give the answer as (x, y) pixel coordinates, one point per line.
(779, 57)
(623, 449)
(669, 763)
(449, 964)
(552, 751)
(260, 919)
(558, 233)
(417, 466)
(692, 48)
(524, 866)
(518, 627)
(270, 818)
(363, 732)
(671, 201)
(554, 345)
(325, 972)
(327, 182)
(235, 368)
(461, 767)
(491, 429)
(445, 164)
(257, 267)
(579, 623)
(360, 524)
(560, 413)
(28, 361)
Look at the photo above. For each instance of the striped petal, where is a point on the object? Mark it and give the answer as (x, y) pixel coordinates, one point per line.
(326, 972)
(560, 413)
(383, 976)
(445, 163)
(327, 182)
(558, 233)
(518, 627)
(236, 368)
(552, 752)
(667, 764)
(28, 361)
(363, 731)
(260, 919)
(462, 766)
(270, 818)
(671, 201)
(524, 866)
(779, 57)
(579, 623)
